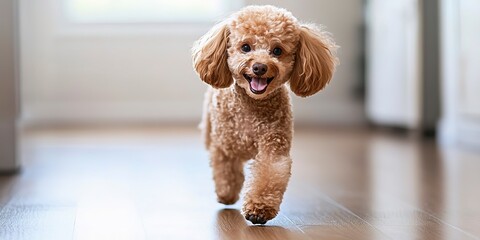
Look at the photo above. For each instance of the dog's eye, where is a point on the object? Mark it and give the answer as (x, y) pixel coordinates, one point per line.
(277, 51)
(246, 48)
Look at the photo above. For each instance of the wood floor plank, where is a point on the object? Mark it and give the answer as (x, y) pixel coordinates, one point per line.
(320, 217)
(399, 220)
(156, 183)
(388, 166)
(36, 222)
(231, 225)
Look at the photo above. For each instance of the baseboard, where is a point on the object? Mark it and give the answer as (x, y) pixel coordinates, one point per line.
(8, 146)
(460, 132)
(305, 112)
(110, 113)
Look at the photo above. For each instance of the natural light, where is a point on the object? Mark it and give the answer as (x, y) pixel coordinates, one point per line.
(144, 11)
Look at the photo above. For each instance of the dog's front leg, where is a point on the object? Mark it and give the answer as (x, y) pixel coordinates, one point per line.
(270, 175)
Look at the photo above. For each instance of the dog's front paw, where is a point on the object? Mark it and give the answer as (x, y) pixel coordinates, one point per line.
(259, 214)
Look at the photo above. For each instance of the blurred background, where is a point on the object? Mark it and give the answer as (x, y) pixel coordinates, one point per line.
(127, 61)
(406, 64)
(109, 85)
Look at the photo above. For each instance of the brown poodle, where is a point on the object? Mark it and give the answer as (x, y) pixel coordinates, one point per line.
(248, 59)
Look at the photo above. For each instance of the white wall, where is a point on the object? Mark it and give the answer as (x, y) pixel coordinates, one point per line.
(143, 72)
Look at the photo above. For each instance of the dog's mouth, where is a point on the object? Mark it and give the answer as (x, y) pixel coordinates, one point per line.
(258, 85)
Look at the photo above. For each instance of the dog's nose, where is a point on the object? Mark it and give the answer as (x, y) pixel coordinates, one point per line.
(259, 69)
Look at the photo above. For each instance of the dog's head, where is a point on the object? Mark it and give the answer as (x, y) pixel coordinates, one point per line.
(263, 47)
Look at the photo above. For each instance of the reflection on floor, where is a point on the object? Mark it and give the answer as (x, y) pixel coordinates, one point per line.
(156, 183)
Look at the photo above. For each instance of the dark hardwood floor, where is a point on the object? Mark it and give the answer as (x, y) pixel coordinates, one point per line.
(155, 183)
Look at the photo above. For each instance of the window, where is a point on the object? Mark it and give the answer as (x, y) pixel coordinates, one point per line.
(147, 11)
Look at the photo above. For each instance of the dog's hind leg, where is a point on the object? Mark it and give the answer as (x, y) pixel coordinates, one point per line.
(228, 176)
(205, 125)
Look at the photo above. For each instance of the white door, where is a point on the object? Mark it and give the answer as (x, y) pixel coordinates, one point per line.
(460, 122)
(393, 74)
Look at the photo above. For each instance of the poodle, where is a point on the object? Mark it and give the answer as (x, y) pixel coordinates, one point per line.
(248, 59)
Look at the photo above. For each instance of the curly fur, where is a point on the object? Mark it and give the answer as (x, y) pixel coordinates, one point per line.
(240, 124)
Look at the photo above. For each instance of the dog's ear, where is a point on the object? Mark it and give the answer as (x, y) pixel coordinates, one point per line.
(210, 57)
(315, 62)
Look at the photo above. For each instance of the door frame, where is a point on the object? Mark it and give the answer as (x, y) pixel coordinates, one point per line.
(9, 90)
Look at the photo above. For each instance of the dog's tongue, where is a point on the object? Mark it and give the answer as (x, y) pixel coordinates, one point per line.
(258, 84)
